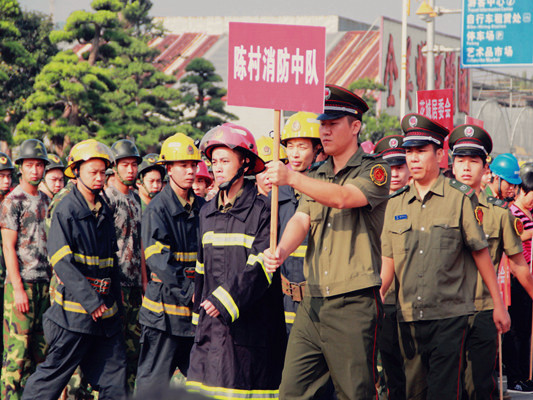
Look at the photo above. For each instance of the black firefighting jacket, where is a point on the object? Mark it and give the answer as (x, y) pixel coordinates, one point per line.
(293, 267)
(170, 240)
(81, 246)
(249, 335)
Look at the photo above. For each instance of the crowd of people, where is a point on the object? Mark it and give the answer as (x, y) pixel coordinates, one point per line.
(144, 266)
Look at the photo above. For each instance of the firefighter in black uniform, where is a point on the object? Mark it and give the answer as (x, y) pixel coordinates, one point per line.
(83, 325)
(170, 239)
(240, 338)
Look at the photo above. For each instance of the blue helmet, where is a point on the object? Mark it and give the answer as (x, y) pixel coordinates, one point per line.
(506, 167)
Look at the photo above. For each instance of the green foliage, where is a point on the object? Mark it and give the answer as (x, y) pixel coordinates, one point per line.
(67, 103)
(375, 126)
(24, 49)
(202, 97)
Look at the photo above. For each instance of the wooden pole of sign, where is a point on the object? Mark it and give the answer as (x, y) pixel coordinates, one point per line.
(501, 364)
(274, 192)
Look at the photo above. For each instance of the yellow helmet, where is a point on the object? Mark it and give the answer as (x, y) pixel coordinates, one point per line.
(265, 146)
(301, 125)
(179, 147)
(84, 151)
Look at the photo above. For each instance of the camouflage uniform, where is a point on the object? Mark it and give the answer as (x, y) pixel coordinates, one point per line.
(127, 218)
(24, 342)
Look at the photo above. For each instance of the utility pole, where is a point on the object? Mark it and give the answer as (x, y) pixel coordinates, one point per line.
(430, 46)
(403, 70)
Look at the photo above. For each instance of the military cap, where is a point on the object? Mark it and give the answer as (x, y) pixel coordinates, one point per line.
(340, 102)
(420, 131)
(390, 148)
(470, 140)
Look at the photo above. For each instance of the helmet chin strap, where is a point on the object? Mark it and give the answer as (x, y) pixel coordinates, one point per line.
(152, 194)
(121, 179)
(93, 191)
(226, 186)
(175, 183)
(48, 187)
(35, 183)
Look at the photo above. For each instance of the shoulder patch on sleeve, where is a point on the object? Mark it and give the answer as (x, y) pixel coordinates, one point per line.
(518, 226)
(497, 202)
(463, 188)
(378, 174)
(399, 191)
(479, 215)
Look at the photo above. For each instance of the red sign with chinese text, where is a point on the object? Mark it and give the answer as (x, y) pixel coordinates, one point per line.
(280, 67)
(437, 105)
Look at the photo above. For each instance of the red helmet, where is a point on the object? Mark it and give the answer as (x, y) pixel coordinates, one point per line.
(233, 136)
(203, 172)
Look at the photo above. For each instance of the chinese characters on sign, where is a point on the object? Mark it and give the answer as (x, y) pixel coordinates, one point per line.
(276, 66)
(437, 105)
(497, 32)
(452, 76)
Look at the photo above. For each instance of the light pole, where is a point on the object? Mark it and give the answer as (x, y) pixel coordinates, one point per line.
(427, 12)
(403, 70)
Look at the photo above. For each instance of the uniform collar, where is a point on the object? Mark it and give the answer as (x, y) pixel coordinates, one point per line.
(483, 199)
(437, 189)
(83, 210)
(174, 204)
(243, 204)
(355, 160)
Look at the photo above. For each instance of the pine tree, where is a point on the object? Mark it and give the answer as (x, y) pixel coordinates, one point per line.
(202, 97)
(375, 126)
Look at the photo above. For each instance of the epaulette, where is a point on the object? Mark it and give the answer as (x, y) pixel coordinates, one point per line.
(498, 202)
(315, 165)
(399, 191)
(465, 189)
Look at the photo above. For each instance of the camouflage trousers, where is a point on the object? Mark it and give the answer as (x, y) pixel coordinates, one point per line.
(24, 343)
(132, 298)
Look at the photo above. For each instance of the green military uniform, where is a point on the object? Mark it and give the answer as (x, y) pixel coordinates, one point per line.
(502, 235)
(481, 346)
(430, 240)
(336, 325)
(390, 148)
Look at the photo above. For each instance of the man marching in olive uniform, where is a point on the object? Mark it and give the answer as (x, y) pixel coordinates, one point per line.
(337, 322)
(302, 139)
(83, 326)
(26, 296)
(432, 242)
(471, 145)
(126, 207)
(391, 150)
(170, 240)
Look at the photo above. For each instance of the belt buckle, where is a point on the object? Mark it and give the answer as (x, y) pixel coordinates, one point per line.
(296, 291)
(104, 285)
